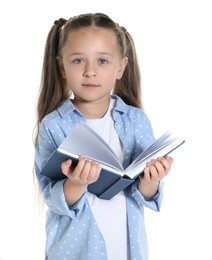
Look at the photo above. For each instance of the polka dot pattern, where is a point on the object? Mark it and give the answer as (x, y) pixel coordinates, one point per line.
(72, 232)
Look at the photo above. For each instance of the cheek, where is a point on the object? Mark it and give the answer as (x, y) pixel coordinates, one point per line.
(74, 79)
(110, 82)
(111, 74)
(72, 73)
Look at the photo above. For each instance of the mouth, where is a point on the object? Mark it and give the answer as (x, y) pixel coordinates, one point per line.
(89, 85)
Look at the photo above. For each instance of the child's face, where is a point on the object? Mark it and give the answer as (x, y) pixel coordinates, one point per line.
(91, 63)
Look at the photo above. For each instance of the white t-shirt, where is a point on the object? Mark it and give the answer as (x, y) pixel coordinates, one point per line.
(110, 214)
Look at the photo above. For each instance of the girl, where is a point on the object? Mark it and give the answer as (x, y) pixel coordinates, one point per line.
(93, 59)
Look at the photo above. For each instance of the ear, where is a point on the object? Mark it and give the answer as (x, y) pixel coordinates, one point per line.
(61, 67)
(123, 65)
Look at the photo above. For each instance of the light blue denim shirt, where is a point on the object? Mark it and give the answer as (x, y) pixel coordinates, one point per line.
(72, 232)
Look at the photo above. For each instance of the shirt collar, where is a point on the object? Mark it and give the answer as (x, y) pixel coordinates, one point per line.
(67, 106)
(120, 105)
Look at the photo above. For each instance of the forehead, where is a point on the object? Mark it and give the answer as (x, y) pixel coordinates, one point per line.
(92, 31)
(92, 35)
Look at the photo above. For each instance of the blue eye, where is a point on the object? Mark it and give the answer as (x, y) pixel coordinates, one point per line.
(103, 61)
(78, 61)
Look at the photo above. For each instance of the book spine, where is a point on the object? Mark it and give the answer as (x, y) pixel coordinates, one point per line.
(120, 185)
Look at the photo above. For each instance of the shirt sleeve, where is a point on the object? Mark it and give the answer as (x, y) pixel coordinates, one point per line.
(52, 191)
(154, 203)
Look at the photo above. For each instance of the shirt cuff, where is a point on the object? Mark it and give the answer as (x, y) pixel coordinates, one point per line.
(154, 203)
(55, 199)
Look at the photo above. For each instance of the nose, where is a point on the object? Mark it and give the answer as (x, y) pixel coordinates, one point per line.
(90, 70)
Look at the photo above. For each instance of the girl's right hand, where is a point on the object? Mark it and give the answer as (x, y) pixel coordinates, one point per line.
(86, 171)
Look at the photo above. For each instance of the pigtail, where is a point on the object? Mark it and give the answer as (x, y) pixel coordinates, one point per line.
(129, 86)
(52, 90)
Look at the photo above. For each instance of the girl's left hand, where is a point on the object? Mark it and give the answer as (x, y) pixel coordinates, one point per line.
(156, 170)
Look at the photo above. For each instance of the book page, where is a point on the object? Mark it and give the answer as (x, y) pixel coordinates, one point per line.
(82, 140)
(161, 147)
(161, 142)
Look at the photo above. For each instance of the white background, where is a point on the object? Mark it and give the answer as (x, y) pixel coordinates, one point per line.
(174, 45)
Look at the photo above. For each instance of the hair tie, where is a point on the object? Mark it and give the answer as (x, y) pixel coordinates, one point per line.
(60, 21)
(123, 29)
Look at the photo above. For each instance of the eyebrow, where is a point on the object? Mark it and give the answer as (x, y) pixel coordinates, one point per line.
(81, 53)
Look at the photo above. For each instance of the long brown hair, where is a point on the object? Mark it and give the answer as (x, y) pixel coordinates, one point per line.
(53, 88)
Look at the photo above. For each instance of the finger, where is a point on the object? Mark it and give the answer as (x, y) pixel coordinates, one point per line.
(166, 162)
(156, 169)
(94, 172)
(79, 168)
(65, 166)
(147, 176)
(86, 170)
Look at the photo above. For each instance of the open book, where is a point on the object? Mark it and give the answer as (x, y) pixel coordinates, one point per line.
(82, 140)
